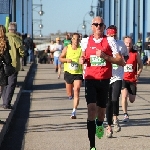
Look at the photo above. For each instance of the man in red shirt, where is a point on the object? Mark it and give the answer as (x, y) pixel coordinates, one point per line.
(132, 71)
(99, 53)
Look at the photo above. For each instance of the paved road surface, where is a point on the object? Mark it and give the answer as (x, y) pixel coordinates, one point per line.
(42, 120)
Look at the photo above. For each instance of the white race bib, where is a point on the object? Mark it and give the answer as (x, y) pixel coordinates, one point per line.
(128, 68)
(97, 61)
(73, 66)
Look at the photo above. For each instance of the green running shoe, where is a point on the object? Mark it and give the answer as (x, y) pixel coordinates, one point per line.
(93, 148)
(99, 131)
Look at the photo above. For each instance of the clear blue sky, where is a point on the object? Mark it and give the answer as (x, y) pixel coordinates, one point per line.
(63, 15)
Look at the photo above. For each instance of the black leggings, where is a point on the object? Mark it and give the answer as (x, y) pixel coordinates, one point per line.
(112, 107)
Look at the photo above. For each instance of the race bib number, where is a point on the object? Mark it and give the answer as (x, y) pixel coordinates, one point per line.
(115, 66)
(128, 68)
(73, 66)
(97, 61)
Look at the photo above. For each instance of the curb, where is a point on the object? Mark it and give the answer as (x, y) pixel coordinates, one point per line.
(11, 113)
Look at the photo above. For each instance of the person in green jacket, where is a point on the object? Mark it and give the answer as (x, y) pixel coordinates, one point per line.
(16, 50)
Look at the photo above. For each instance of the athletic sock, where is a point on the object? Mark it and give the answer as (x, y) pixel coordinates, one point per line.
(99, 123)
(126, 114)
(91, 126)
(74, 111)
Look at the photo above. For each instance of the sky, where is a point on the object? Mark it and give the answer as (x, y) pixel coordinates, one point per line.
(63, 15)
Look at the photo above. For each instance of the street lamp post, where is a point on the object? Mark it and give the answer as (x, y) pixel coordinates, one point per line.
(100, 8)
(78, 27)
(84, 26)
(40, 12)
(84, 21)
(35, 31)
(38, 20)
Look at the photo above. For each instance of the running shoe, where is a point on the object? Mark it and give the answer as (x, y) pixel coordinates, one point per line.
(117, 127)
(73, 115)
(109, 133)
(126, 118)
(93, 148)
(99, 131)
(70, 97)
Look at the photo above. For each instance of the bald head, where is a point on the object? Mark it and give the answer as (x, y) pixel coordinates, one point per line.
(97, 19)
(98, 26)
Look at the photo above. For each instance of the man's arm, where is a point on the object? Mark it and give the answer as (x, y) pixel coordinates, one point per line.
(116, 58)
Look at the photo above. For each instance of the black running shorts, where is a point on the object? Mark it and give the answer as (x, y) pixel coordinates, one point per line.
(96, 91)
(69, 78)
(130, 86)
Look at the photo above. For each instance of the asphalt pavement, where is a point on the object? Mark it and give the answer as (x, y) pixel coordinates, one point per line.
(47, 125)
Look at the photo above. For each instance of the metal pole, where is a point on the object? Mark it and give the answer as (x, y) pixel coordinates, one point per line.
(139, 19)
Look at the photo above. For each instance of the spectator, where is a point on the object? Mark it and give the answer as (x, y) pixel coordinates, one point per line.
(43, 58)
(147, 48)
(24, 36)
(145, 59)
(4, 56)
(29, 47)
(16, 51)
(21, 59)
(34, 53)
(139, 45)
(48, 53)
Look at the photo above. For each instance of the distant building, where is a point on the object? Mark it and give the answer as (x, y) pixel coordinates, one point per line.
(130, 17)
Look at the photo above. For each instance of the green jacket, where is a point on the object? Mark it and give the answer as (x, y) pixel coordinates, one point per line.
(16, 49)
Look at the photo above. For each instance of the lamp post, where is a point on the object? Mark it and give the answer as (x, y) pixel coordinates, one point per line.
(40, 12)
(100, 9)
(85, 22)
(78, 27)
(38, 20)
(40, 35)
(84, 26)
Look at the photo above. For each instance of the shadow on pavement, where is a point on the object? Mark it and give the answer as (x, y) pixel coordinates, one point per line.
(15, 134)
(57, 127)
(144, 80)
(49, 86)
(136, 122)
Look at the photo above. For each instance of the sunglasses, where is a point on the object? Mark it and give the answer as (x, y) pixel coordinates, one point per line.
(98, 24)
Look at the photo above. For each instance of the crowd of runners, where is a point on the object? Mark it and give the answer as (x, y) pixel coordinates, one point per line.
(109, 68)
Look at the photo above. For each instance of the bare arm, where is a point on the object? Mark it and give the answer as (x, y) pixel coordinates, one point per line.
(83, 53)
(117, 59)
(140, 64)
(53, 50)
(62, 56)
